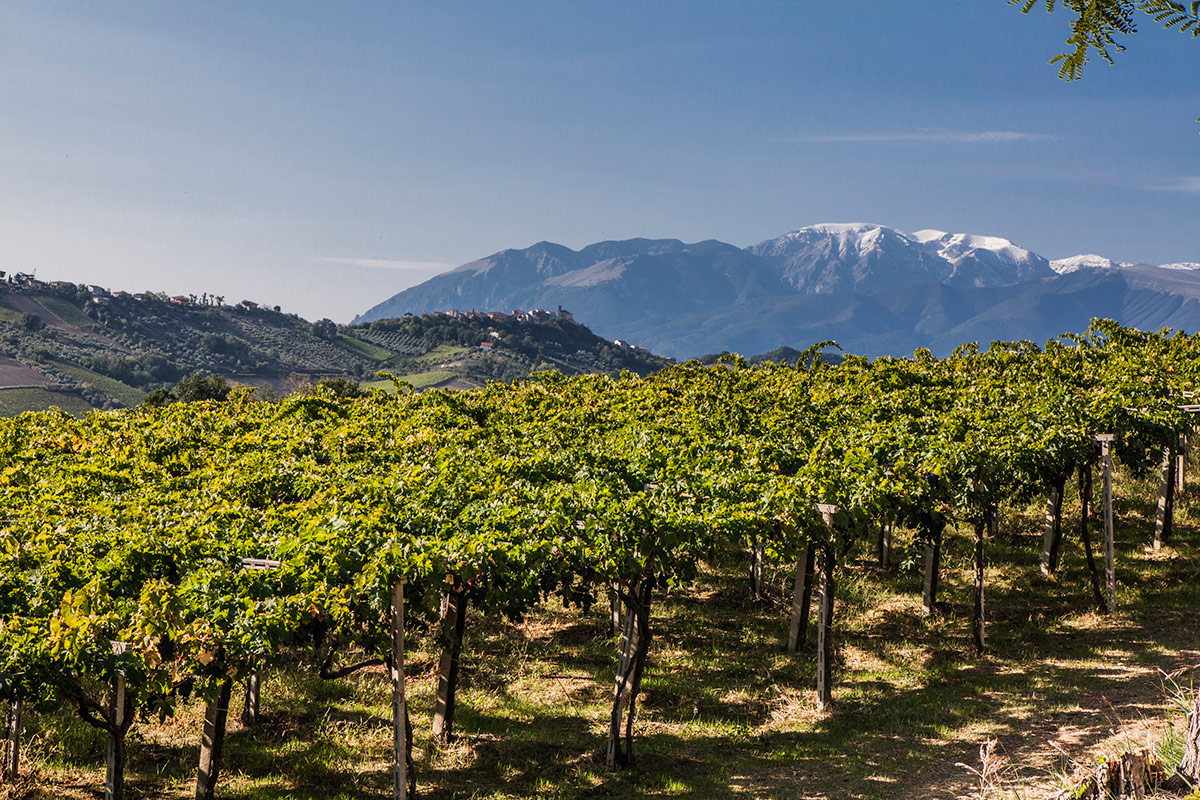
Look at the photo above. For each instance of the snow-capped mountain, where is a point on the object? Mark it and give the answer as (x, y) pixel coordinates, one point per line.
(874, 288)
(1065, 266)
(855, 257)
(860, 257)
(984, 260)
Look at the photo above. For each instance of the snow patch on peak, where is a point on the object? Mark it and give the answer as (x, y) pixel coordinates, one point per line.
(1065, 266)
(841, 228)
(1188, 265)
(928, 235)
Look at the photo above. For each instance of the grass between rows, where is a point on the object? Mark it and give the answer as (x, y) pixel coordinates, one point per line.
(725, 713)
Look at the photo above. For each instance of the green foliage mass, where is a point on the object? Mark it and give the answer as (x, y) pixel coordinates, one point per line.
(131, 526)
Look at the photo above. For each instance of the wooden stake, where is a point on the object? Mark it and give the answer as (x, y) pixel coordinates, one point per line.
(399, 709)
(978, 632)
(216, 717)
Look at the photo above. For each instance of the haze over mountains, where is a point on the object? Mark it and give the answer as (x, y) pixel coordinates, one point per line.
(874, 289)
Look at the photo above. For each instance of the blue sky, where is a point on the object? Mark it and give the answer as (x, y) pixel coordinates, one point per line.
(322, 156)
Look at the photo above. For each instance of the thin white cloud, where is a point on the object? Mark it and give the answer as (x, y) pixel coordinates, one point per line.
(1190, 185)
(386, 263)
(937, 137)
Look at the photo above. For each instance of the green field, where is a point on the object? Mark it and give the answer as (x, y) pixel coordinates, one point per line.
(364, 349)
(126, 394)
(8, 313)
(67, 312)
(17, 401)
(726, 713)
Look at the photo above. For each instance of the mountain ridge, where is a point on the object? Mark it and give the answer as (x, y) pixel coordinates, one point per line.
(822, 281)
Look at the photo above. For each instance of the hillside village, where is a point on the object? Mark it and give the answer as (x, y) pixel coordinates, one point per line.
(80, 346)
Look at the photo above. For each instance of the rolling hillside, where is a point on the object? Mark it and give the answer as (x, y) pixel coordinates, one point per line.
(79, 347)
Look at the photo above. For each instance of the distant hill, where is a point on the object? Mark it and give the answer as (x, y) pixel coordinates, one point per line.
(873, 289)
(81, 347)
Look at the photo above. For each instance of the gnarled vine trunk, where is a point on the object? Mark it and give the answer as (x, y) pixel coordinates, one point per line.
(1085, 502)
(933, 562)
(635, 644)
(1164, 515)
(756, 568)
(216, 716)
(454, 621)
(978, 631)
(801, 600)
(1052, 533)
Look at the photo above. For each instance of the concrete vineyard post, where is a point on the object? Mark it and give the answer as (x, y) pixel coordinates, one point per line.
(399, 708)
(1110, 568)
(114, 772)
(1165, 511)
(978, 631)
(12, 740)
(825, 612)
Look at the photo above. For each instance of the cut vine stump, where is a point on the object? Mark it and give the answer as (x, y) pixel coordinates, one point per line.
(1129, 776)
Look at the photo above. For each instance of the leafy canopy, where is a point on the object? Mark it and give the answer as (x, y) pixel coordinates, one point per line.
(1098, 23)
